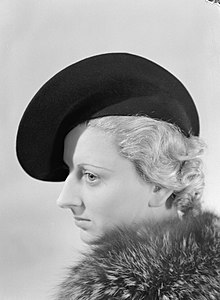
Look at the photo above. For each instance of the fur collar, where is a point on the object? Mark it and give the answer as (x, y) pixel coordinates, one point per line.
(171, 260)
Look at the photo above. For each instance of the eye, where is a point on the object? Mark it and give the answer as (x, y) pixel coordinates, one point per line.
(90, 177)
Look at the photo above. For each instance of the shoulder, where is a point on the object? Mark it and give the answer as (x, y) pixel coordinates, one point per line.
(170, 260)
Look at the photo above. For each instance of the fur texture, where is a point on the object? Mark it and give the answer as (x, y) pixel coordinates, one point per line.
(172, 260)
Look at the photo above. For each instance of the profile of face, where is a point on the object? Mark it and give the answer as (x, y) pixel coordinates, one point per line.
(103, 189)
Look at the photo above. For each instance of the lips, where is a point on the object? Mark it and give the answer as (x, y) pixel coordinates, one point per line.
(82, 223)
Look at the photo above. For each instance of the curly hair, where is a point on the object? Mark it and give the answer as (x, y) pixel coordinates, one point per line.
(161, 154)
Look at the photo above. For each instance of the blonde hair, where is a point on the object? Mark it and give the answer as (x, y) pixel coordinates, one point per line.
(161, 154)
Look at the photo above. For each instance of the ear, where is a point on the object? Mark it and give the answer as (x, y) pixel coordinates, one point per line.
(159, 196)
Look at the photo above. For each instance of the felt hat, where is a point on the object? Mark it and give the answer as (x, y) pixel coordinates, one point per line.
(102, 85)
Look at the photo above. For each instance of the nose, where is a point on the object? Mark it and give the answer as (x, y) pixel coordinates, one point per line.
(70, 194)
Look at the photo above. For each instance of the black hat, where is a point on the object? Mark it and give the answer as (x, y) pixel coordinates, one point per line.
(102, 85)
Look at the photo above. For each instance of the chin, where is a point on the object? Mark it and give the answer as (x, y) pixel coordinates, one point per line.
(88, 238)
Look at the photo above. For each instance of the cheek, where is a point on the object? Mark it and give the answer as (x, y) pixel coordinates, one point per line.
(115, 204)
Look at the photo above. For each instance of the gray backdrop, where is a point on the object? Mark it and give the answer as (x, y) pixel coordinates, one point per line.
(37, 39)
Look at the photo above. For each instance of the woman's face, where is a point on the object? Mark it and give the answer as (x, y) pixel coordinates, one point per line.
(103, 189)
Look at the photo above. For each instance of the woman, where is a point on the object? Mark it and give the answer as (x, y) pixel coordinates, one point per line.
(123, 134)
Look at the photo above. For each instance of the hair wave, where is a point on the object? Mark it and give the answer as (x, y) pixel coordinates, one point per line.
(161, 154)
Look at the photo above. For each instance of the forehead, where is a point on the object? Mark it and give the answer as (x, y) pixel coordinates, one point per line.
(90, 145)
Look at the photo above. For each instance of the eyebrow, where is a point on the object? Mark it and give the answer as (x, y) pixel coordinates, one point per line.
(98, 167)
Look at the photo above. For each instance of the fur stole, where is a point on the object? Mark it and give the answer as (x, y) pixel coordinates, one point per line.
(178, 259)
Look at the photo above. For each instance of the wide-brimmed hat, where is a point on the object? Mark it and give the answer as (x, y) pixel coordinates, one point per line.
(102, 85)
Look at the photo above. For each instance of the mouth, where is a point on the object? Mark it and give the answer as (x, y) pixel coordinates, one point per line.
(81, 219)
(82, 223)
